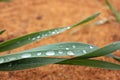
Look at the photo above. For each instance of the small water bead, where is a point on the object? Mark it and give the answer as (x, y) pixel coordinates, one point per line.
(50, 53)
(1, 60)
(67, 48)
(26, 55)
(38, 37)
(53, 32)
(39, 53)
(91, 47)
(68, 27)
(60, 52)
(73, 46)
(33, 38)
(70, 53)
(84, 51)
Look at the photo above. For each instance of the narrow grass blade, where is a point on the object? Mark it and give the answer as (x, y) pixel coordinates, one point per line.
(37, 62)
(5, 0)
(102, 51)
(87, 19)
(28, 63)
(54, 50)
(2, 31)
(113, 9)
(92, 63)
(21, 41)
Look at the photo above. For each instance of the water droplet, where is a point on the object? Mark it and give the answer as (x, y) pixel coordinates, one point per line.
(84, 51)
(91, 47)
(12, 58)
(68, 27)
(53, 32)
(60, 52)
(26, 55)
(70, 53)
(33, 38)
(50, 53)
(67, 48)
(39, 53)
(74, 46)
(38, 37)
(1, 60)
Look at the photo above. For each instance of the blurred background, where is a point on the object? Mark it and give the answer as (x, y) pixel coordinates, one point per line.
(20, 17)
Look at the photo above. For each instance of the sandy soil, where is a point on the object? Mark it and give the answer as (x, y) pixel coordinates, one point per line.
(26, 16)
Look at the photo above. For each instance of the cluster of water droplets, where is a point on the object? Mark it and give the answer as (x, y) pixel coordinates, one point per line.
(40, 53)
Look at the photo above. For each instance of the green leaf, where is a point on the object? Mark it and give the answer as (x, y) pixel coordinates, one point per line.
(59, 49)
(28, 63)
(113, 9)
(102, 51)
(2, 31)
(92, 63)
(10, 64)
(5, 0)
(21, 41)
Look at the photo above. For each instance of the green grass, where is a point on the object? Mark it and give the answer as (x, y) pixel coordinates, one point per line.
(114, 10)
(83, 54)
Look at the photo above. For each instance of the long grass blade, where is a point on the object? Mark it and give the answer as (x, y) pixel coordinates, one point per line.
(2, 31)
(21, 41)
(114, 11)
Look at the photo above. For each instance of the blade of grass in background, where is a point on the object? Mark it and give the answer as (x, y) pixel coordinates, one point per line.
(5, 0)
(2, 31)
(21, 41)
(113, 9)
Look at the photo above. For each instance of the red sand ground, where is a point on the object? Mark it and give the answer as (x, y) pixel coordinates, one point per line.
(26, 16)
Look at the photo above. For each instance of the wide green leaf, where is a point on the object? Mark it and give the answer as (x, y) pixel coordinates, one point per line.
(82, 59)
(21, 41)
(59, 49)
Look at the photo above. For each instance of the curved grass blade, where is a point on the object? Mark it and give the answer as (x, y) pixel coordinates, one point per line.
(114, 11)
(2, 31)
(83, 61)
(92, 63)
(114, 57)
(28, 63)
(37, 62)
(54, 50)
(87, 19)
(21, 41)
(101, 51)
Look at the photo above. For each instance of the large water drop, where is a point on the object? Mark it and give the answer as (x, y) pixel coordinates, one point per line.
(70, 53)
(39, 53)
(91, 47)
(26, 55)
(50, 53)
(84, 51)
